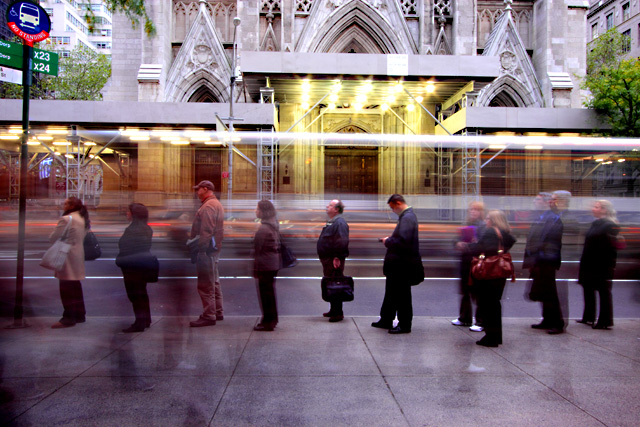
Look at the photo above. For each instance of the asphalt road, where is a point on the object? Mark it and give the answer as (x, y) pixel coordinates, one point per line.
(298, 288)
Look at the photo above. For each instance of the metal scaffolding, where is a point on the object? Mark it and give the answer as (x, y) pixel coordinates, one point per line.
(14, 176)
(266, 165)
(445, 166)
(72, 166)
(470, 166)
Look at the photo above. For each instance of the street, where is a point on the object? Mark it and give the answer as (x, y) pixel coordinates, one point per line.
(298, 288)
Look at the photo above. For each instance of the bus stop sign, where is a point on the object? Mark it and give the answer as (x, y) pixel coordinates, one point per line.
(28, 21)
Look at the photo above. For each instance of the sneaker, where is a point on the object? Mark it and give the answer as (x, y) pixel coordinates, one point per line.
(457, 322)
(476, 328)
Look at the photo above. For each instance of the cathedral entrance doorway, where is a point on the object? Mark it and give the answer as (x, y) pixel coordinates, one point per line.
(208, 166)
(351, 170)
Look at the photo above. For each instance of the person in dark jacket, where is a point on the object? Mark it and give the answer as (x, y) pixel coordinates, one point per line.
(542, 256)
(597, 264)
(471, 232)
(136, 239)
(497, 236)
(266, 244)
(333, 249)
(402, 267)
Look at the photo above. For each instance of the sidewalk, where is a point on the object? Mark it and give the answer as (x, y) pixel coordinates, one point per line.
(309, 372)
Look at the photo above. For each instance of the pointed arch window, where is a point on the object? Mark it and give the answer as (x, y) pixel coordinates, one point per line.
(503, 99)
(203, 94)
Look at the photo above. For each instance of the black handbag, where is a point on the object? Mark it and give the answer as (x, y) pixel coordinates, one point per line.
(141, 262)
(91, 247)
(335, 289)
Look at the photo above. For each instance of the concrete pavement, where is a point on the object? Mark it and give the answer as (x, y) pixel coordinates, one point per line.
(309, 372)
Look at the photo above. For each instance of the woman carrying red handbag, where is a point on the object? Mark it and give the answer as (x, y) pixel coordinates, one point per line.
(497, 236)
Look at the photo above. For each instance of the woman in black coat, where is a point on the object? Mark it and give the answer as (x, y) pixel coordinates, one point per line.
(597, 264)
(136, 239)
(497, 235)
(267, 263)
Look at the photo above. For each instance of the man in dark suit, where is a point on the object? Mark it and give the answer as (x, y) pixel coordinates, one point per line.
(402, 267)
(333, 248)
(542, 256)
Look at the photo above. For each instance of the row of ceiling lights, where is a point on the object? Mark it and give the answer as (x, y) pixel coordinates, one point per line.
(361, 98)
(184, 137)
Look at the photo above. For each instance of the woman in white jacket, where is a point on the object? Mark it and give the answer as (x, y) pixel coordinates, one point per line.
(73, 270)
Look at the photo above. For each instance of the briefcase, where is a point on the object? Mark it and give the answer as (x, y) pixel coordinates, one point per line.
(336, 289)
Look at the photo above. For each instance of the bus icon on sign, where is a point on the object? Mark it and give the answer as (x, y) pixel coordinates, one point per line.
(29, 15)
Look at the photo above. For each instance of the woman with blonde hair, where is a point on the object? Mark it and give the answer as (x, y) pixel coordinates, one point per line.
(471, 232)
(497, 236)
(597, 264)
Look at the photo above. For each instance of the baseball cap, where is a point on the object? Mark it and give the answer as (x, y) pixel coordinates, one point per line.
(205, 184)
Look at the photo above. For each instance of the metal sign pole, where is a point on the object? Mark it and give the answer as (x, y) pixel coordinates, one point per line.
(18, 321)
(32, 24)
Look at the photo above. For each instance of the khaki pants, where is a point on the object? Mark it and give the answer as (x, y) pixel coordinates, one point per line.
(209, 285)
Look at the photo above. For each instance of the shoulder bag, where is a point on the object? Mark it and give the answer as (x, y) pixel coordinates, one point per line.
(337, 288)
(91, 247)
(56, 256)
(499, 266)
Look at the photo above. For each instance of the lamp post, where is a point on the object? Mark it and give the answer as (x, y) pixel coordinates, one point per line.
(236, 22)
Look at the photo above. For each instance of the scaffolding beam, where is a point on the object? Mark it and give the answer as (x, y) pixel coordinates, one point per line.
(266, 165)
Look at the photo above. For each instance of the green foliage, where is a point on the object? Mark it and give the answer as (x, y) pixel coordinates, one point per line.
(614, 83)
(82, 75)
(132, 9)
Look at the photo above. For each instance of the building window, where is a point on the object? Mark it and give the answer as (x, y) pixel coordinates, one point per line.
(103, 45)
(594, 31)
(609, 21)
(626, 43)
(61, 40)
(626, 12)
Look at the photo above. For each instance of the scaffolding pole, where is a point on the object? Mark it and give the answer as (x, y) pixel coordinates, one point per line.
(266, 166)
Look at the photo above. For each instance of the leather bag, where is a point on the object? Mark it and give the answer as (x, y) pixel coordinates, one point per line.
(336, 289)
(56, 256)
(499, 266)
(91, 247)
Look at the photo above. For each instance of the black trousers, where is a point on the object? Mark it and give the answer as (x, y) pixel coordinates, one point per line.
(489, 296)
(605, 317)
(329, 270)
(72, 302)
(137, 292)
(397, 301)
(545, 290)
(267, 297)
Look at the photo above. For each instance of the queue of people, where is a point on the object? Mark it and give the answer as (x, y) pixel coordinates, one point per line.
(482, 235)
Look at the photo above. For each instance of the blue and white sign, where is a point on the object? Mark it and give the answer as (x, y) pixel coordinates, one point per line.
(28, 21)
